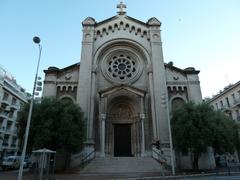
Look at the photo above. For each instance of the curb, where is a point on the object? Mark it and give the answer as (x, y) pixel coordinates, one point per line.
(187, 176)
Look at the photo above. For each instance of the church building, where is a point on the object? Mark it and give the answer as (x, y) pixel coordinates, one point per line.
(123, 86)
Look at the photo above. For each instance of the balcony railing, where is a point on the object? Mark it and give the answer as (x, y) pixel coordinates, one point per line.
(5, 101)
(236, 102)
(13, 145)
(2, 129)
(238, 118)
(4, 115)
(226, 108)
(11, 132)
(14, 107)
(5, 144)
(12, 118)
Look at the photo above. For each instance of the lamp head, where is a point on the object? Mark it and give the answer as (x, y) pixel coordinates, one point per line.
(36, 40)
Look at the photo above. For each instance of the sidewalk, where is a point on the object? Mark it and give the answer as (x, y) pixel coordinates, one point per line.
(12, 175)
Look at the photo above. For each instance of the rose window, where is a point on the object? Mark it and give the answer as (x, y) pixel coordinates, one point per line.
(121, 67)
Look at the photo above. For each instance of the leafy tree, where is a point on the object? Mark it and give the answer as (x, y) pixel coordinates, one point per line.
(197, 126)
(226, 134)
(55, 124)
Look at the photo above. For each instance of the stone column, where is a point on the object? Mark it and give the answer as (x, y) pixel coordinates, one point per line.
(142, 119)
(102, 140)
(150, 78)
(91, 105)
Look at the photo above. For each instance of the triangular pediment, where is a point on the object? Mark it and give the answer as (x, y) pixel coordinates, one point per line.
(124, 18)
(115, 89)
(121, 23)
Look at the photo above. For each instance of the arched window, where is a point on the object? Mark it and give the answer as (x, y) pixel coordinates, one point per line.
(177, 102)
(67, 100)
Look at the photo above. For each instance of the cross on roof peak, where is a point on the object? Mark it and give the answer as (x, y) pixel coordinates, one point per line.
(121, 7)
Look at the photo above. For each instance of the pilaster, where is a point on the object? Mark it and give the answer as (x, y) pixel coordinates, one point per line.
(85, 74)
(159, 81)
(142, 119)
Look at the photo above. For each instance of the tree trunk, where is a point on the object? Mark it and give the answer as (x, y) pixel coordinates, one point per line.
(195, 162)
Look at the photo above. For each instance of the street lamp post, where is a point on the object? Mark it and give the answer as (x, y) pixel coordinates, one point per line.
(37, 41)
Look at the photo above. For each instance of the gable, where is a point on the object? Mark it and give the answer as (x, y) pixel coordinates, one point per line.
(129, 89)
(69, 73)
(174, 74)
(117, 23)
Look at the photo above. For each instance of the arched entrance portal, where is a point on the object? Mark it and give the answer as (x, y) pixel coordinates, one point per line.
(122, 119)
(122, 122)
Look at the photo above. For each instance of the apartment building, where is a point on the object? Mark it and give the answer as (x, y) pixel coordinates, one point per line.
(228, 101)
(12, 97)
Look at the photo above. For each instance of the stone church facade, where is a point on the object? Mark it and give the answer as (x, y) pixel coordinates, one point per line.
(123, 86)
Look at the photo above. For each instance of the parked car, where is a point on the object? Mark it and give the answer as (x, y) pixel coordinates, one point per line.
(11, 162)
(26, 162)
(1, 161)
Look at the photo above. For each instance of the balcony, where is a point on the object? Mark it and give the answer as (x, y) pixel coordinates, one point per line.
(12, 118)
(14, 132)
(238, 118)
(5, 144)
(4, 115)
(226, 109)
(13, 145)
(236, 102)
(14, 106)
(5, 102)
(2, 129)
(11, 132)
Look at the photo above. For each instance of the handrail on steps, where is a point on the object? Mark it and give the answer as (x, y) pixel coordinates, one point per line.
(87, 158)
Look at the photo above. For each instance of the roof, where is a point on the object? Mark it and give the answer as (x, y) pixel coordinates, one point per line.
(53, 69)
(116, 17)
(226, 89)
(189, 70)
(127, 17)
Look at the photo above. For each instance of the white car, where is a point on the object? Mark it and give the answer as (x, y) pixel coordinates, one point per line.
(11, 162)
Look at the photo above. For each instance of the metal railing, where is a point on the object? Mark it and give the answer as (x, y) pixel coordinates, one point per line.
(236, 101)
(162, 159)
(82, 158)
(87, 158)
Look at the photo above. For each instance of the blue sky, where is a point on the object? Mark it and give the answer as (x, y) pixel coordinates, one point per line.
(203, 34)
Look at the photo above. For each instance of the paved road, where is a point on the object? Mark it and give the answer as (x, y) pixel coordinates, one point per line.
(12, 175)
(214, 178)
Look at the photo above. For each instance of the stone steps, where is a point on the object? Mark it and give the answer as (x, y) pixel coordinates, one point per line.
(123, 167)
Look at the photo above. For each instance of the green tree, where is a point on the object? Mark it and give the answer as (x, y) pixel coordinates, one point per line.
(197, 126)
(55, 124)
(225, 133)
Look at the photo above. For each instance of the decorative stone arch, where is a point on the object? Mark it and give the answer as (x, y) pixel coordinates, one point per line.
(122, 105)
(103, 49)
(68, 97)
(180, 99)
(122, 109)
(121, 61)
